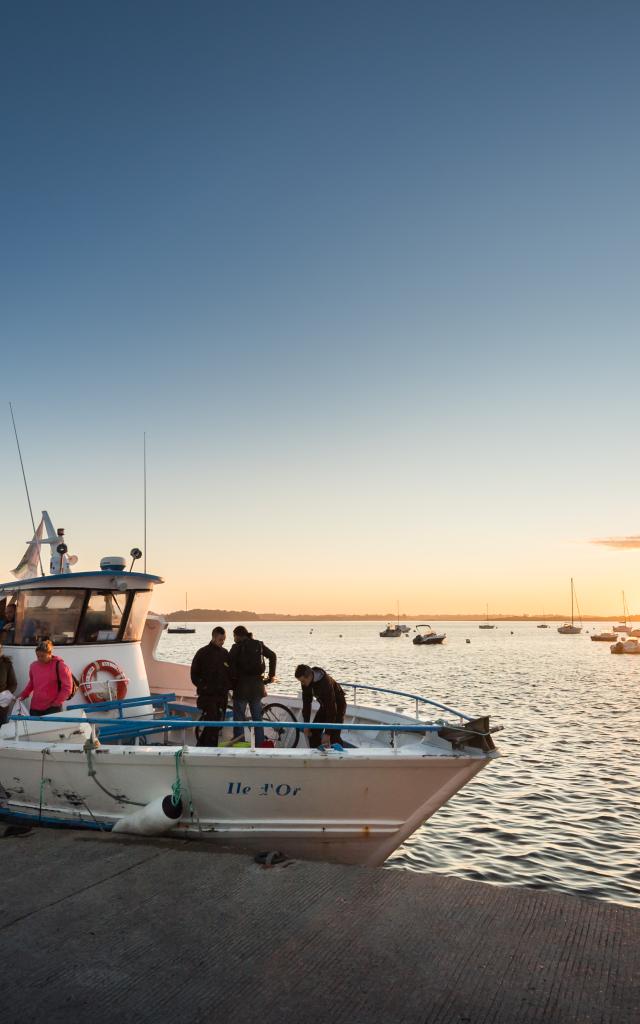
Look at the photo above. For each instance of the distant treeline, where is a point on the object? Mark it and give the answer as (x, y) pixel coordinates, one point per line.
(224, 615)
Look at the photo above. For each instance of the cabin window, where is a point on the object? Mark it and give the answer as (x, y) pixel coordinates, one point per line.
(103, 617)
(48, 614)
(137, 615)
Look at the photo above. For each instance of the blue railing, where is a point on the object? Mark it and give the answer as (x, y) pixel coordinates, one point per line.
(159, 700)
(411, 696)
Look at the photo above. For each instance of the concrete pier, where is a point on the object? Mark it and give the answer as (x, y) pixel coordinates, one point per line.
(102, 928)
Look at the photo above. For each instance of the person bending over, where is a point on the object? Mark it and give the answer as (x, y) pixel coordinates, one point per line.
(210, 676)
(317, 683)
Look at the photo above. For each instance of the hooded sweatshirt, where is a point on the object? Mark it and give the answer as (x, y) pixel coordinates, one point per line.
(43, 684)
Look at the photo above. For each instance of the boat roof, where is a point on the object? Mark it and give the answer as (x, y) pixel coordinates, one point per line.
(95, 578)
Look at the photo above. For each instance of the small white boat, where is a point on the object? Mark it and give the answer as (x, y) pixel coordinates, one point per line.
(396, 629)
(570, 628)
(629, 646)
(121, 754)
(607, 636)
(430, 637)
(391, 630)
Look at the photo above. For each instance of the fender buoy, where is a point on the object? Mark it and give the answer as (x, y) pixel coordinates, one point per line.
(93, 694)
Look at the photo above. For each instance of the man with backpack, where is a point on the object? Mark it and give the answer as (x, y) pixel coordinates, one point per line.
(246, 663)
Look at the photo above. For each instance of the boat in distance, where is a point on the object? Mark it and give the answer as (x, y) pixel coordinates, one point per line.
(183, 628)
(430, 637)
(122, 755)
(629, 646)
(605, 637)
(570, 628)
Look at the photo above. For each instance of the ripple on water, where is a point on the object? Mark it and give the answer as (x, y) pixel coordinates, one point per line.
(561, 809)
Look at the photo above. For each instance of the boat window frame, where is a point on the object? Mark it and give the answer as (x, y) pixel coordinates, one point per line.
(89, 591)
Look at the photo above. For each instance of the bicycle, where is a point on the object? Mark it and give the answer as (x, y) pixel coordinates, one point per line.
(272, 713)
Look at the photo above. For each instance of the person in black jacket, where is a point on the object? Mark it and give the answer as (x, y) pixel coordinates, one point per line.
(8, 685)
(317, 683)
(210, 676)
(246, 659)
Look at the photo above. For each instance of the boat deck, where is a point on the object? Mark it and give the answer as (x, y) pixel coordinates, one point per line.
(99, 926)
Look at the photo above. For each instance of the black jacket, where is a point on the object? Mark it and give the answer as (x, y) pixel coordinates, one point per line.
(210, 671)
(8, 681)
(249, 686)
(330, 697)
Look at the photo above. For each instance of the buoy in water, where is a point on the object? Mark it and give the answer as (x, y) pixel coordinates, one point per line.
(468, 641)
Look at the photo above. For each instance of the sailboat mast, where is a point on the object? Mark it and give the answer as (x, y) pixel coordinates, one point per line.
(572, 600)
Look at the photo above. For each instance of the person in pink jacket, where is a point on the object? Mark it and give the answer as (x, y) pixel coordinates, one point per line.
(50, 681)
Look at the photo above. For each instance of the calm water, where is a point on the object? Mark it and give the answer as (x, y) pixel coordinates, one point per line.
(561, 808)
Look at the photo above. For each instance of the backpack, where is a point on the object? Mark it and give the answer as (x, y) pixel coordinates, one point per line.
(74, 681)
(250, 660)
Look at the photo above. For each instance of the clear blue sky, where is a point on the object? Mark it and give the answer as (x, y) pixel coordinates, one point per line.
(367, 275)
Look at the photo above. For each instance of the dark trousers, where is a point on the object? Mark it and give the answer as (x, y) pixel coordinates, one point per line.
(324, 715)
(255, 710)
(38, 712)
(215, 709)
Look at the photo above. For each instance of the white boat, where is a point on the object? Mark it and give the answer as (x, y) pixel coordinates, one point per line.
(129, 763)
(629, 646)
(570, 628)
(396, 629)
(391, 630)
(606, 636)
(430, 637)
(486, 624)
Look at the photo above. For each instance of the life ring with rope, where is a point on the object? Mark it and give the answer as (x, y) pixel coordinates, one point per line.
(96, 694)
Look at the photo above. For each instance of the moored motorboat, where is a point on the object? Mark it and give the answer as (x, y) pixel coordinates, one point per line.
(121, 754)
(607, 636)
(430, 637)
(629, 646)
(391, 630)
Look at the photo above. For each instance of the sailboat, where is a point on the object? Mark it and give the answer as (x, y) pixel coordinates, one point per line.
(184, 628)
(396, 630)
(623, 627)
(571, 628)
(487, 624)
(542, 625)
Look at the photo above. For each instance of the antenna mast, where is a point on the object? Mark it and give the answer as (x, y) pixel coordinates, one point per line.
(24, 477)
(144, 465)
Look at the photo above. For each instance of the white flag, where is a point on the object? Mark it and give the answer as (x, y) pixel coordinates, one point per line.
(29, 562)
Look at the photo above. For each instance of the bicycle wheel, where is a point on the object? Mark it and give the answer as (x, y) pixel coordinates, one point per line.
(274, 713)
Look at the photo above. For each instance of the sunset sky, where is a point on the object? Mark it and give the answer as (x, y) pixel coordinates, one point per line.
(366, 275)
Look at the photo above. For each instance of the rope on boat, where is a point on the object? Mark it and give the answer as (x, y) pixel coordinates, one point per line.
(118, 797)
(176, 789)
(42, 783)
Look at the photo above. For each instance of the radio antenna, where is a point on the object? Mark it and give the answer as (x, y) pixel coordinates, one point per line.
(24, 477)
(144, 474)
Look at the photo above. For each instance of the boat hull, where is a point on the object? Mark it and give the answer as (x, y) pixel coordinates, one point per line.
(351, 808)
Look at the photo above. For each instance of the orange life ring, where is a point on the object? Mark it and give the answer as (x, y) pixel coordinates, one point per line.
(89, 678)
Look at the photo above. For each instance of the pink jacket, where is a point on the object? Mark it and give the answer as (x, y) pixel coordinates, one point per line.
(43, 684)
